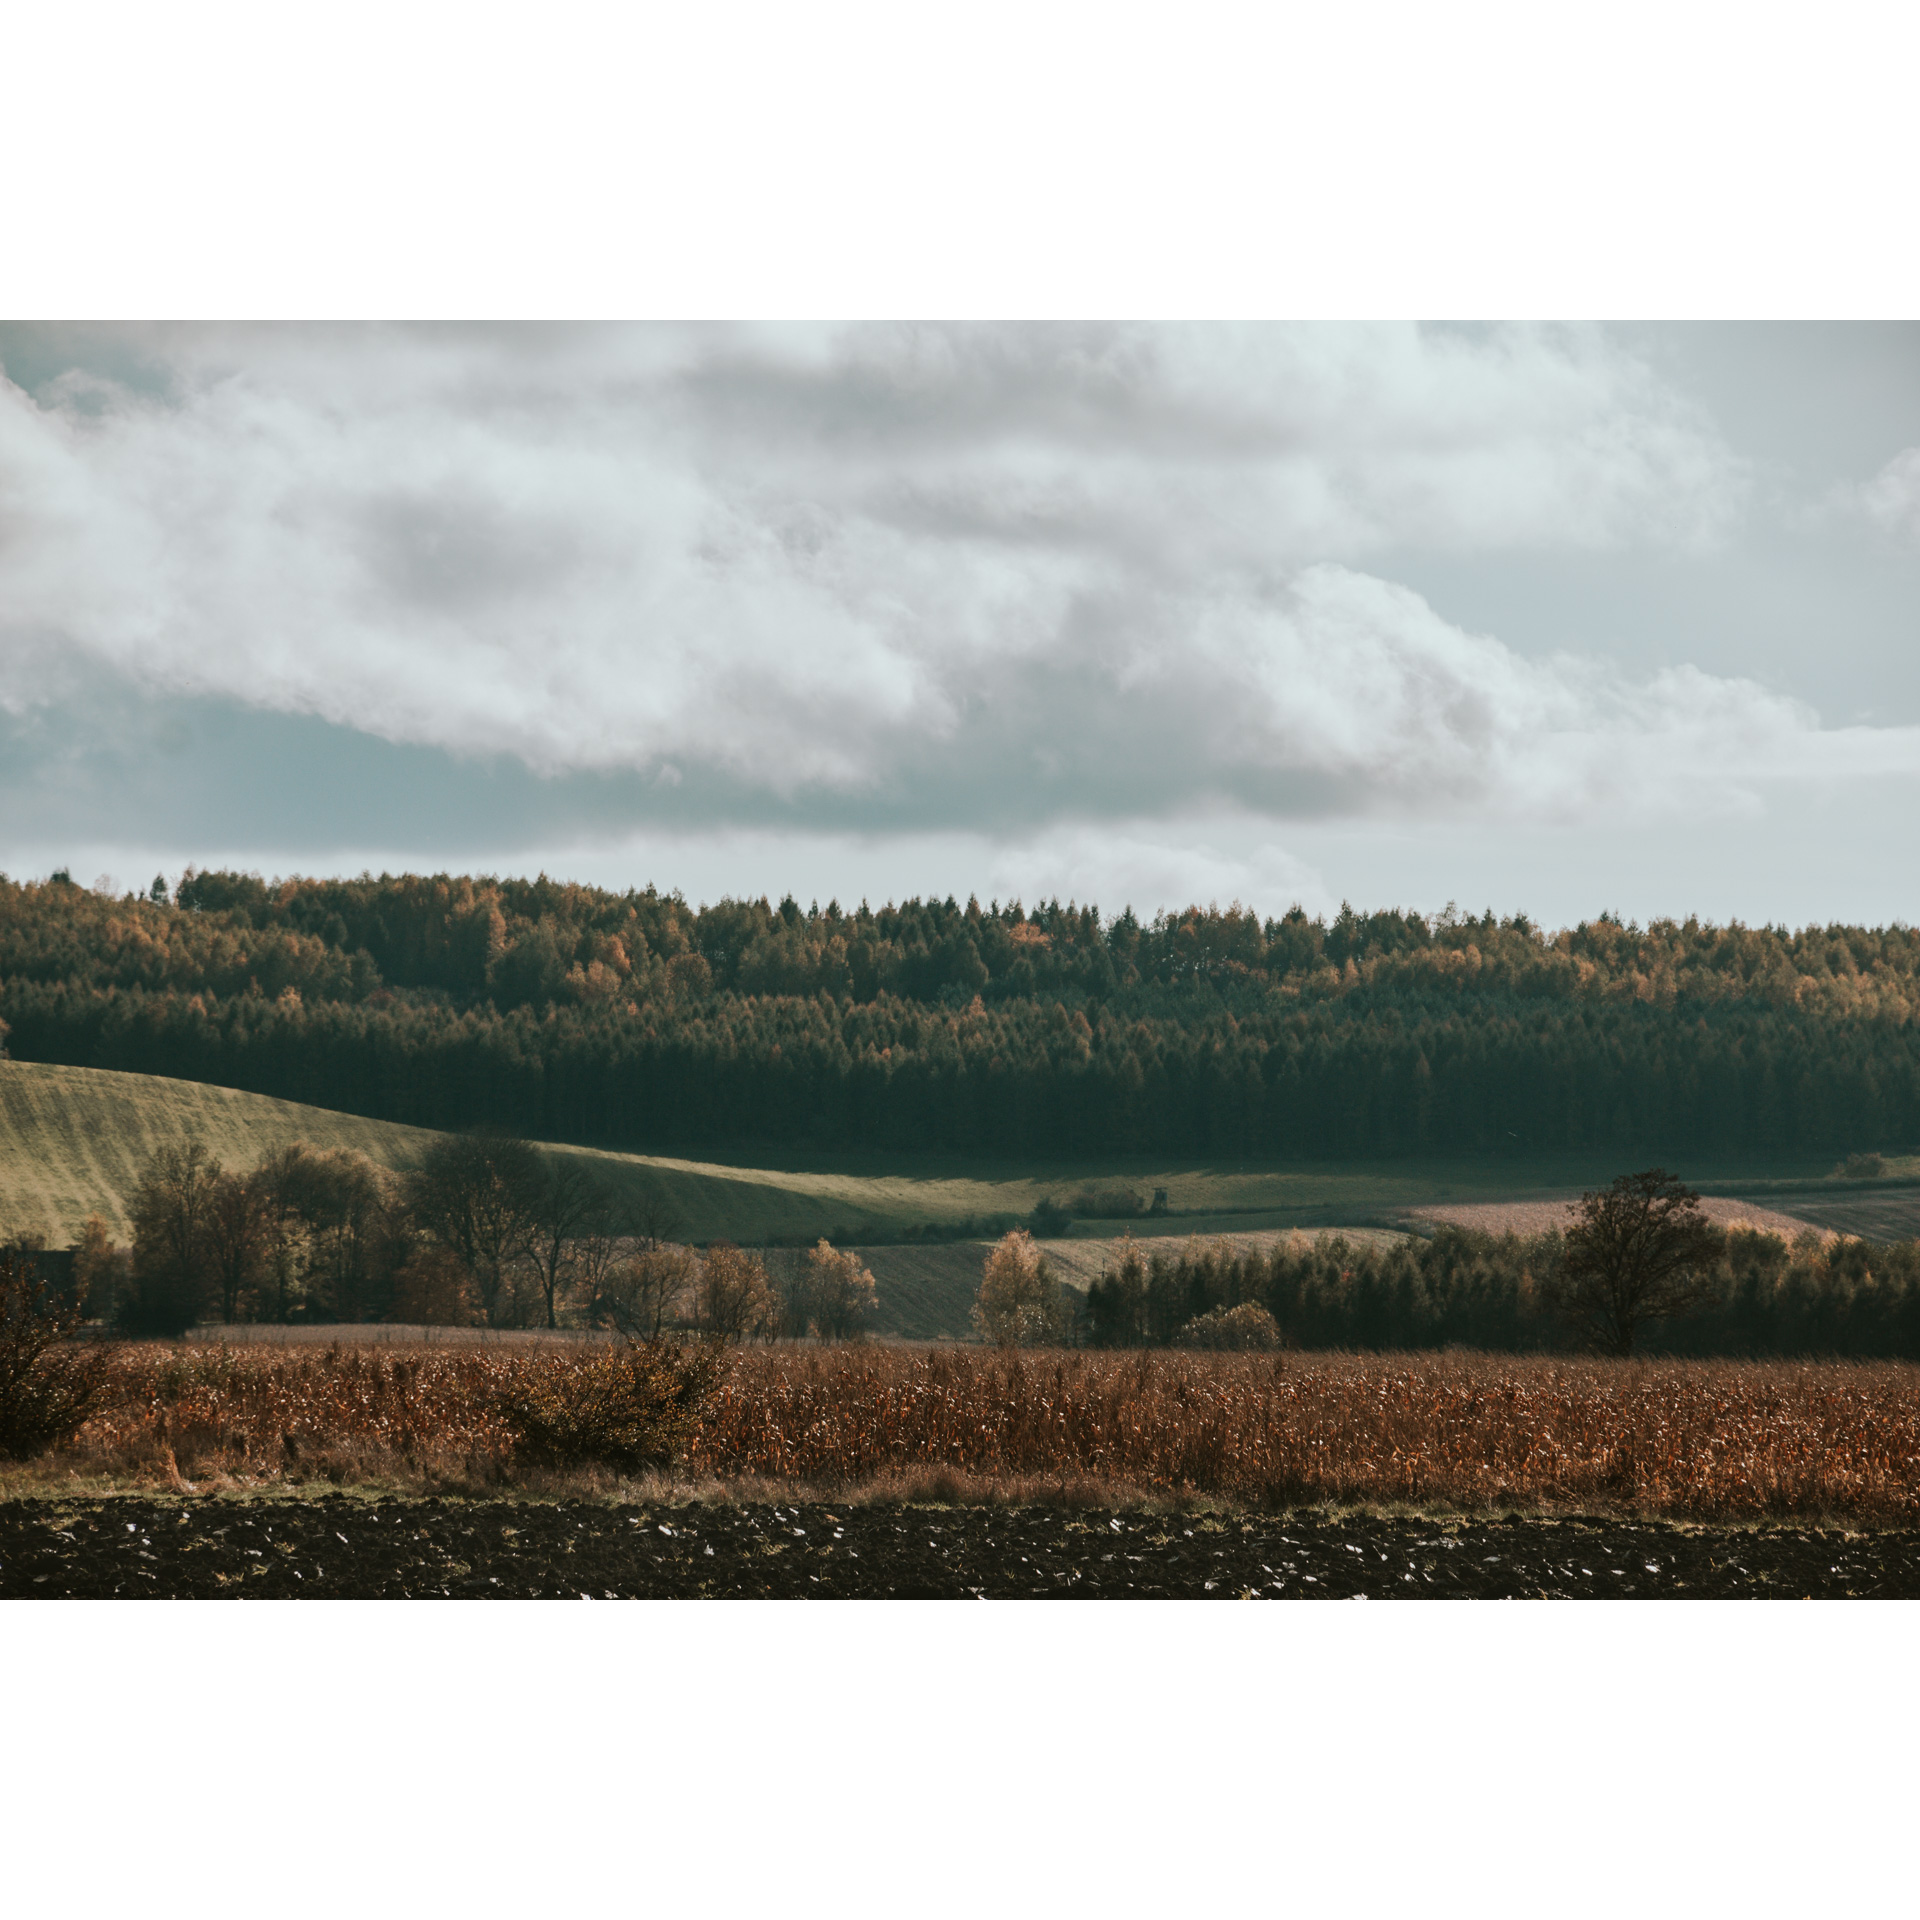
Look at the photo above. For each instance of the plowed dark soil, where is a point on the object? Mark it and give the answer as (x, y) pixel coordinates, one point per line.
(343, 1548)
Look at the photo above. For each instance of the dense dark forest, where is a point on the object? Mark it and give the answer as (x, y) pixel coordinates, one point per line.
(564, 1012)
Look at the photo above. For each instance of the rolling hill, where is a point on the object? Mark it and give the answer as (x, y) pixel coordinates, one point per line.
(74, 1141)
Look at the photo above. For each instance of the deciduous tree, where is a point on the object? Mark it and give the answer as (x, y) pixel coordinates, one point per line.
(1640, 1250)
(567, 1201)
(171, 1210)
(476, 1194)
(647, 1291)
(1020, 1302)
(238, 1230)
(841, 1296)
(735, 1301)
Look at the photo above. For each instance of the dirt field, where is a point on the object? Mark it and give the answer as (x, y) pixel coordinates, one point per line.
(1874, 1214)
(1543, 1216)
(334, 1547)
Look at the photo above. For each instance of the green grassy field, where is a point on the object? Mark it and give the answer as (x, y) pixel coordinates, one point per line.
(75, 1140)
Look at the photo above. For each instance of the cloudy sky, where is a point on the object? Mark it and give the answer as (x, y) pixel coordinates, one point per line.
(1548, 619)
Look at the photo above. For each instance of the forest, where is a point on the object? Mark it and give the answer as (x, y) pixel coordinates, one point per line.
(634, 1020)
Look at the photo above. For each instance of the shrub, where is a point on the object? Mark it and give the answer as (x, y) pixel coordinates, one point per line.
(48, 1385)
(1243, 1329)
(633, 1407)
(1050, 1219)
(1860, 1166)
(1114, 1201)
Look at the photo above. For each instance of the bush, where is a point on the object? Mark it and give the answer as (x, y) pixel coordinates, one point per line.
(1115, 1201)
(632, 1407)
(1050, 1219)
(48, 1385)
(1242, 1329)
(1860, 1166)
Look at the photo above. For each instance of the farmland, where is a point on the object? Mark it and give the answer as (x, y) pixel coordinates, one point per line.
(1526, 1217)
(340, 1546)
(1673, 1439)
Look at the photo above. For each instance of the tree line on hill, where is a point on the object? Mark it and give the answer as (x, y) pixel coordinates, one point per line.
(1762, 1297)
(487, 1231)
(571, 1013)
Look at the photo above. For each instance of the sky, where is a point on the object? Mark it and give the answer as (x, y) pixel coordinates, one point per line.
(1549, 619)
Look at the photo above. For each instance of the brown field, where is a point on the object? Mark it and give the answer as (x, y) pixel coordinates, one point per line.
(1544, 1216)
(1874, 1214)
(1447, 1432)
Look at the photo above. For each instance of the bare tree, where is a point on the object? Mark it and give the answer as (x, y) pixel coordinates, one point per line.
(734, 1300)
(475, 1195)
(237, 1233)
(1640, 1250)
(649, 1288)
(564, 1203)
(598, 1254)
(655, 1219)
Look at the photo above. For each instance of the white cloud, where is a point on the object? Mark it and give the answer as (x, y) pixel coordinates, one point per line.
(1891, 499)
(1090, 569)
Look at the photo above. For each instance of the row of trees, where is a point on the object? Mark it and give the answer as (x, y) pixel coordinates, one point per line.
(486, 1230)
(534, 943)
(1699, 1291)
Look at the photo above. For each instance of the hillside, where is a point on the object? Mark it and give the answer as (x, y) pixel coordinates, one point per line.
(74, 1140)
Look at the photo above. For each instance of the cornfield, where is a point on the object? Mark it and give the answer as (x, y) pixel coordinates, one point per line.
(1683, 1438)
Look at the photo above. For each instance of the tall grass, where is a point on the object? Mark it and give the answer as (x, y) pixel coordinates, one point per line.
(1702, 1438)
